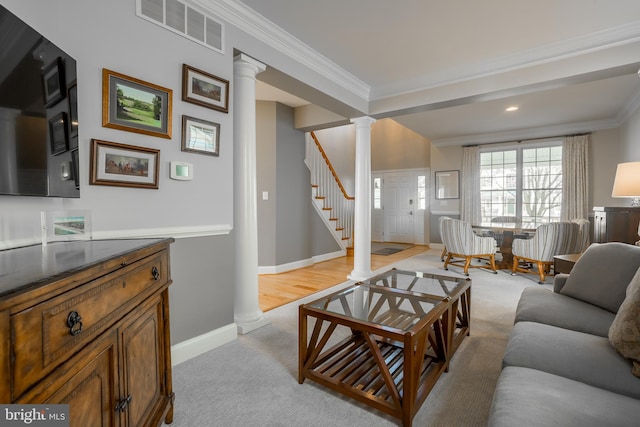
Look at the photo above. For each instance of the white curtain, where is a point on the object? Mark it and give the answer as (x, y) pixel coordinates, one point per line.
(575, 177)
(470, 188)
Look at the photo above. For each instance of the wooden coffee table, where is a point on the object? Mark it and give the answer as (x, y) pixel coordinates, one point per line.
(386, 341)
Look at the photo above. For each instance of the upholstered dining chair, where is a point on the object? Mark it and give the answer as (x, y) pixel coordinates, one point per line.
(444, 249)
(461, 242)
(584, 239)
(551, 239)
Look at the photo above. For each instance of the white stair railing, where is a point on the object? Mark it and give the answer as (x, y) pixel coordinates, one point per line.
(329, 195)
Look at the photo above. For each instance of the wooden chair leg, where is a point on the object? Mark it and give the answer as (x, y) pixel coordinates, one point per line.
(444, 252)
(467, 263)
(492, 261)
(446, 263)
(515, 265)
(541, 271)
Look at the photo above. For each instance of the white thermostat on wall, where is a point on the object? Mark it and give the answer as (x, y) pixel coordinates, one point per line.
(181, 171)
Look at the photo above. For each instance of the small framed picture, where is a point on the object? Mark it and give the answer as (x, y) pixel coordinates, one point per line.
(447, 185)
(73, 110)
(200, 136)
(204, 89)
(75, 167)
(134, 105)
(53, 82)
(58, 134)
(65, 225)
(123, 165)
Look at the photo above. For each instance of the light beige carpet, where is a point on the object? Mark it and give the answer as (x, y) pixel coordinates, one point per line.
(252, 381)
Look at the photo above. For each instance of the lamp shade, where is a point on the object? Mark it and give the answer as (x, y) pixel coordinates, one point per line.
(627, 181)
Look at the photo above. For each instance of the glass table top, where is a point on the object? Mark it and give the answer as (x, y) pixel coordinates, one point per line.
(425, 283)
(378, 305)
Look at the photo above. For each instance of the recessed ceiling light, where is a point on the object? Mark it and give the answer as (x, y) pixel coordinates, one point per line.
(512, 108)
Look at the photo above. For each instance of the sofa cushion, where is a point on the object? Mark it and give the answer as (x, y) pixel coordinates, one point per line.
(624, 333)
(544, 306)
(602, 274)
(575, 355)
(526, 397)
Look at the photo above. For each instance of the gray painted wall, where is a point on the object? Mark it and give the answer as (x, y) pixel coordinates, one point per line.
(266, 181)
(293, 209)
(289, 228)
(201, 296)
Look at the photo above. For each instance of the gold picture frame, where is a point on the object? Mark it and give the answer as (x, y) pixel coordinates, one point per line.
(134, 105)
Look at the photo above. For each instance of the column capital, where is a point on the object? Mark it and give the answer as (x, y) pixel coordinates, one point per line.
(244, 62)
(363, 121)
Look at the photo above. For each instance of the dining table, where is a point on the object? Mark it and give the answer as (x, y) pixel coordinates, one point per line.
(504, 233)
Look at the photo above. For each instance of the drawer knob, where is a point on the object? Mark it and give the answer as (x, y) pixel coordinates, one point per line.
(74, 322)
(155, 273)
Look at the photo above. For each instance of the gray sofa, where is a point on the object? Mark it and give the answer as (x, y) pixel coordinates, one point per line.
(559, 366)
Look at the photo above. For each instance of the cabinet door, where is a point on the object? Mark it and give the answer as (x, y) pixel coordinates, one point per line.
(87, 384)
(143, 366)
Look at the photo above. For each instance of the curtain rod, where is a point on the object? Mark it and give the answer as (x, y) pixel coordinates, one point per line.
(518, 141)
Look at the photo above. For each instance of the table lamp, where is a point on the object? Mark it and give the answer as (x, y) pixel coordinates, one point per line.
(627, 184)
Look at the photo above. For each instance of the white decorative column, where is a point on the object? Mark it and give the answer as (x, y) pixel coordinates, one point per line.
(362, 219)
(247, 313)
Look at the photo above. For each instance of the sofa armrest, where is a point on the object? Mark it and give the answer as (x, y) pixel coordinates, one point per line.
(559, 280)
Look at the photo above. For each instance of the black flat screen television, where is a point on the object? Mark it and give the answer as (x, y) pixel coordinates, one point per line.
(38, 114)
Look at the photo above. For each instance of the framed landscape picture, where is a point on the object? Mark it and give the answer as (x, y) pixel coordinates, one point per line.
(123, 165)
(65, 225)
(200, 136)
(134, 105)
(204, 89)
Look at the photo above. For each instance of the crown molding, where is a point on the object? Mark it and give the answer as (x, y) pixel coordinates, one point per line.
(256, 25)
(531, 133)
(550, 52)
(629, 108)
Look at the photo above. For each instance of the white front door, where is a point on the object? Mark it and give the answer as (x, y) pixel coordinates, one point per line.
(399, 207)
(377, 212)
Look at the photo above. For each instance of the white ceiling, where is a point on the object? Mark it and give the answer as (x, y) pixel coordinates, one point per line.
(456, 61)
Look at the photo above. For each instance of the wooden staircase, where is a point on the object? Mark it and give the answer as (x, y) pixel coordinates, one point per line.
(330, 198)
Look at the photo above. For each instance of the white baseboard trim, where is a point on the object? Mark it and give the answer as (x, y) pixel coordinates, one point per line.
(331, 255)
(283, 268)
(193, 347)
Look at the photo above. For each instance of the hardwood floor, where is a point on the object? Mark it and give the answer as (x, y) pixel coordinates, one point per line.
(278, 289)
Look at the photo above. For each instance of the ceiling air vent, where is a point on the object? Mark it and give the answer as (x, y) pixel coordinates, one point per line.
(180, 18)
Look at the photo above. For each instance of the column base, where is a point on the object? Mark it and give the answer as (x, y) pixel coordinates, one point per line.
(359, 276)
(246, 327)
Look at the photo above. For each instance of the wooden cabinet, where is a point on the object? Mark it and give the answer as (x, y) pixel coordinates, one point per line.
(616, 224)
(87, 324)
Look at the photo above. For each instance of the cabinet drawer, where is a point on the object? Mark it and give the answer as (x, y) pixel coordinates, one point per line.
(46, 335)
